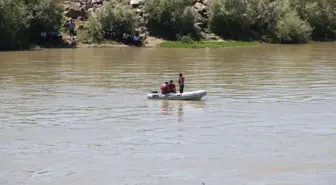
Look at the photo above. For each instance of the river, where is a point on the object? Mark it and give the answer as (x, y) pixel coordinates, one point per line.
(82, 117)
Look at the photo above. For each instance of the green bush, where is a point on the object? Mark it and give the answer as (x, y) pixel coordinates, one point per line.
(22, 21)
(320, 14)
(110, 17)
(92, 32)
(268, 20)
(186, 39)
(120, 18)
(13, 25)
(188, 24)
(263, 17)
(246, 20)
(171, 18)
(291, 29)
(43, 15)
(228, 18)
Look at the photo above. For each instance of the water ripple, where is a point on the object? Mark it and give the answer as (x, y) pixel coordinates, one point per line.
(81, 116)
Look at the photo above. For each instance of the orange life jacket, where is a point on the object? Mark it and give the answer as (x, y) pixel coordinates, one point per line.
(164, 88)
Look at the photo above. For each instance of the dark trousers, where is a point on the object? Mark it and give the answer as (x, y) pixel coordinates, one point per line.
(72, 33)
(181, 88)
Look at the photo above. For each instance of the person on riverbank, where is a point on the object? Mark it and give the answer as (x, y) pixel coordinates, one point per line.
(171, 86)
(181, 83)
(71, 27)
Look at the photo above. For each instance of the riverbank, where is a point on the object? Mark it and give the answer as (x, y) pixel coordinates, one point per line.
(151, 42)
(97, 22)
(159, 44)
(205, 44)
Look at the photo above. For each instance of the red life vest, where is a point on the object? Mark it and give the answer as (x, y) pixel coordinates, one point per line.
(171, 87)
(181, 80)
(164, 88)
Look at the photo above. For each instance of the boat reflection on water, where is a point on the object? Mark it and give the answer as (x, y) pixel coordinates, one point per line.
(168, 107)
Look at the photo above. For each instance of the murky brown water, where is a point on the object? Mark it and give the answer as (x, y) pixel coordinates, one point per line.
(81, 117)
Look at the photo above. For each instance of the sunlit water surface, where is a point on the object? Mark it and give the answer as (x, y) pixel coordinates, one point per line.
(81, 117)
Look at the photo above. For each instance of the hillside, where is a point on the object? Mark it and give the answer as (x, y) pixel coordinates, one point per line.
(284, 21)
(81, 10)
(23, 23)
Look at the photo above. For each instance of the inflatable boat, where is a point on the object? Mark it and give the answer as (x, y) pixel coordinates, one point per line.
(193, 95)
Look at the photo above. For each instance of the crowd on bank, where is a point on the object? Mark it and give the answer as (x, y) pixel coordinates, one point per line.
(130, 39)
(126, 38)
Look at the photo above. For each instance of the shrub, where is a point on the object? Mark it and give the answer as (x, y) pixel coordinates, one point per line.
(267, 20)
(320, 14)
(188, 24)
(117, 18)
(110, 18)
(43, 15)
(263, 17)
(186, 39)
(291, 29)
(171, 18)
(92, 32)
(228, 18)
(21, 21)
(12, 25)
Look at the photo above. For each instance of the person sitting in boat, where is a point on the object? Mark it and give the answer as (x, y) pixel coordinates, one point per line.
(164, 88)
(171, 86)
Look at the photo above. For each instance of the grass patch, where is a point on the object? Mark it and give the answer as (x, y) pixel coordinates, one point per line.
(205, 44)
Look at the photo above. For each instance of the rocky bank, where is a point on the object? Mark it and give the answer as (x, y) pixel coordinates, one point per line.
(81, 10)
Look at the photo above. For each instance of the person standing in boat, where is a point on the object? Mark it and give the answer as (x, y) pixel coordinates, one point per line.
(181, 82)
